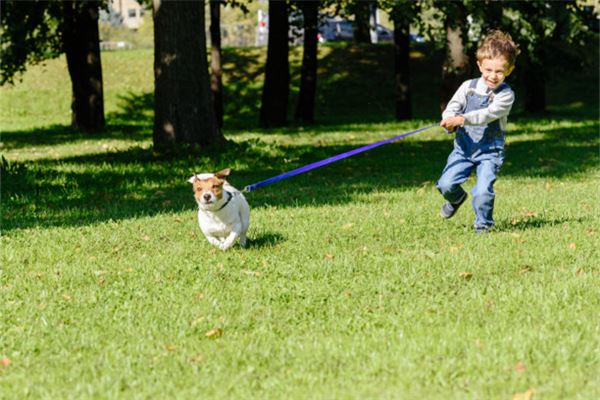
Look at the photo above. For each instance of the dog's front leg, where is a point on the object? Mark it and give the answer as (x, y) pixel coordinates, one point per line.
(214, 241)
(235, 233)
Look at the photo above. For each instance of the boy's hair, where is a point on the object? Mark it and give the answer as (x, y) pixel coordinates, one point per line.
(498, 44)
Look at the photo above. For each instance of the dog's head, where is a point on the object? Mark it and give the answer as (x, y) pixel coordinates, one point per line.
(208, 188)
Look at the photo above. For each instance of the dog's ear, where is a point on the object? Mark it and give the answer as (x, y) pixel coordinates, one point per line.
(193, 179)
(223, 173)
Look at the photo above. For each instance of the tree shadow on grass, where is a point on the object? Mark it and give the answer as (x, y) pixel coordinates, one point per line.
(63, 134)
(89, 189)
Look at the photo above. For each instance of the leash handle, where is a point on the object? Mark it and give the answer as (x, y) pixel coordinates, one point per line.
(330, 160)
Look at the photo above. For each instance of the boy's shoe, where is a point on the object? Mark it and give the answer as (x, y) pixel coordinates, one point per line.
(449, 209)
(482, 230)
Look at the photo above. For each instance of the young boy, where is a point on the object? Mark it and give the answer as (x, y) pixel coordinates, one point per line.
(478, 113)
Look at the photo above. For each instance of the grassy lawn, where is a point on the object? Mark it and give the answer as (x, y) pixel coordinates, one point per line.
(352, 286)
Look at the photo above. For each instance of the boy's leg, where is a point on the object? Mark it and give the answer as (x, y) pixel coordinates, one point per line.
(483, 191)
(457, 170)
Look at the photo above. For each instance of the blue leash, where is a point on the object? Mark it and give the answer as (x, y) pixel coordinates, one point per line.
(330, 160)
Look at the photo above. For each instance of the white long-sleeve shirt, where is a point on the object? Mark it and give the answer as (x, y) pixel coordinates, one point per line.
(498, 109)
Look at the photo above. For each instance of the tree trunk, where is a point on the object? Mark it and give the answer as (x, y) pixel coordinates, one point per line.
(373, 23)
(216, 83)
(456, 68)
(183, 108)
(308, 80)
(362, 15)
(273, 111)
(81, 41)
(401, 66)
(532, 76)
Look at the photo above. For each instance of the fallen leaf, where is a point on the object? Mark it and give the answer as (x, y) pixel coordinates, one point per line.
(429, 253)
(572, 246)
(214, 333)
(520, 367)
(525, 269)
(528, 395)
(5, 362)
(66, 297)
(329, 256)
(347, 226)
(466, 275)
(146, 238)
(170, 347)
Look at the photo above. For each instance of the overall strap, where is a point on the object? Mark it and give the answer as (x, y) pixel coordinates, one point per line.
(501, 88)
(472, 86)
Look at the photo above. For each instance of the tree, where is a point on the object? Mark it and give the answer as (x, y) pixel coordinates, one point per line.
(538, 27)
(30, 34)
(273, 110)
(39, 30)
(403, 13)
(456, 67)
(183, 108)
(305, 110)
(216, 63)
(216, 69)
(82, 47)
(362, 12)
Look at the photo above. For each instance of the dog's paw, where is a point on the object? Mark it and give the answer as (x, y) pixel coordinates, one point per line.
(224, 246)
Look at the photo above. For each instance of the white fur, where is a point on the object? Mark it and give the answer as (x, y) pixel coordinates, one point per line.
(223, 227)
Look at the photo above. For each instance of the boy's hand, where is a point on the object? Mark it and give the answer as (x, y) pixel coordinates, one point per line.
(451, 123)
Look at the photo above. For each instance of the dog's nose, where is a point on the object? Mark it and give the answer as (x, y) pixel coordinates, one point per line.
(206, 196)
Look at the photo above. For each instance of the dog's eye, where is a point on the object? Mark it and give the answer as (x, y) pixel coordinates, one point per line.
(215, 186)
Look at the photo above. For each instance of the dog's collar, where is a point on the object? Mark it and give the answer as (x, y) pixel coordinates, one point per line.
(230, 196)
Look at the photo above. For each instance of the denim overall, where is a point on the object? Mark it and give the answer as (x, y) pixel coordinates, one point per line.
(479, 147)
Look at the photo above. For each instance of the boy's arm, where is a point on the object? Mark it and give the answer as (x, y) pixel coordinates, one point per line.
(451, 118)
(457, 103)
(498, 108)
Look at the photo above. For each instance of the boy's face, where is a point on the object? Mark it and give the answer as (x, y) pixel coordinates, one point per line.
(494, 71)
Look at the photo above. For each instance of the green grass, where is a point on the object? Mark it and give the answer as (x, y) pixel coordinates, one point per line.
(352, 286)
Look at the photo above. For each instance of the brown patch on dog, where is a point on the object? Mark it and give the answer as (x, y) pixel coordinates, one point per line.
(213, 185)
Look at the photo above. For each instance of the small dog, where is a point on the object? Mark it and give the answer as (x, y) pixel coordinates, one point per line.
(223, 212)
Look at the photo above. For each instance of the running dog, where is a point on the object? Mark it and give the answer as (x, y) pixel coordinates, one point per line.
(223, 212)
